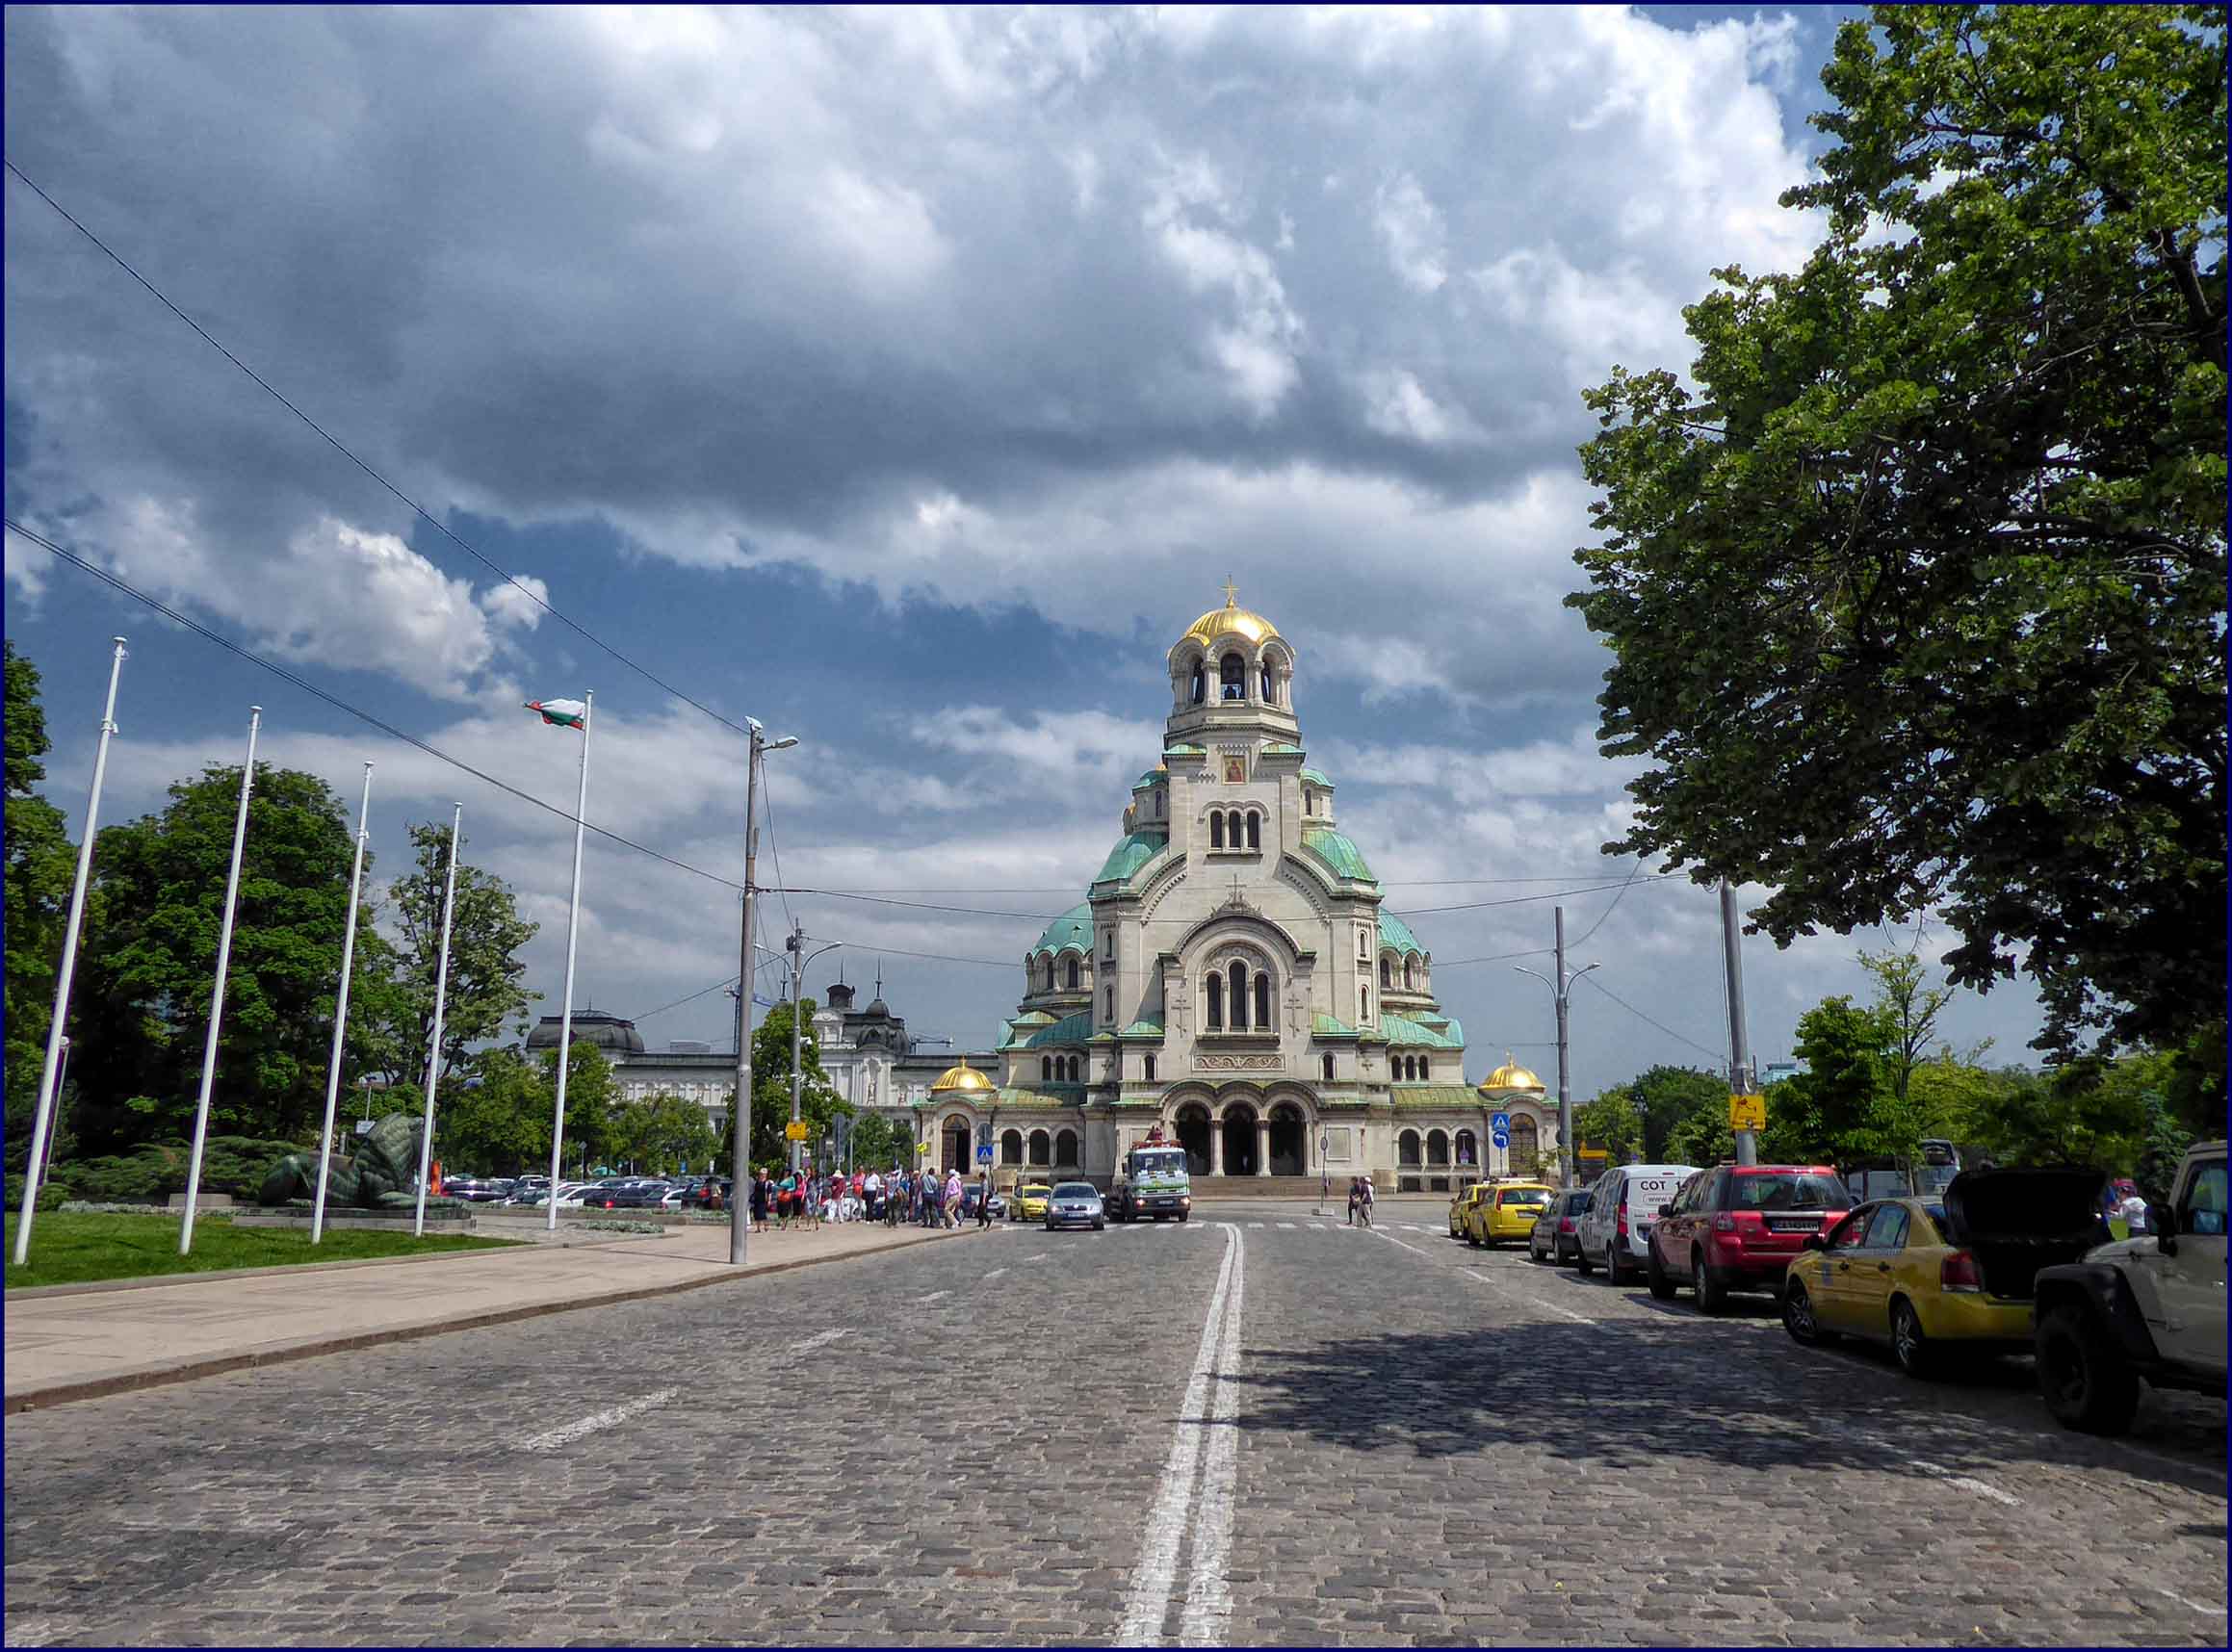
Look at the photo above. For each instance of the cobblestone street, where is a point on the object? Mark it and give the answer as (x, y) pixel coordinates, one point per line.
(1261, 1426)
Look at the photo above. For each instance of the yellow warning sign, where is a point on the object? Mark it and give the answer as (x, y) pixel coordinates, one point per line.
(1746, 1112)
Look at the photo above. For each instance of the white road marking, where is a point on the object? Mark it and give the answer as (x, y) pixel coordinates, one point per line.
(1146, 1605)
(1286, 1224)
(2201, 1607)
(1965, 1483)
(935, 1294)
(994, 1274)
(1392, 1240)
(822, 1338)
(1255, 1225)
(1209, 1594)
(595, 1420)
(1038, 1255)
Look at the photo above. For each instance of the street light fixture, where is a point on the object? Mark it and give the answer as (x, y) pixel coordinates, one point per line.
(1561, 992)
(739, 1184)
(799, 958)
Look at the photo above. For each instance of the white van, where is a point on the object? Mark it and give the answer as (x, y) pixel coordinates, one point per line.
(1615, 1233)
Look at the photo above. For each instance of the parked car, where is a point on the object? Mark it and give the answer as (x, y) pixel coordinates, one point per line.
(1738, 1227)
(2151, 1307)
(972, 1194)
(1555, 1236)
(1030, 1200)
(1468, 1196)
(1506, 1213)
(1615, 1233)
(471, 1189)
(1927, 1276)
(1075, 1204)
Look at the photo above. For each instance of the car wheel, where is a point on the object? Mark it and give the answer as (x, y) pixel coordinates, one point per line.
(1712, 1294)
(1616, 1262)
(1098, 1225)
(1662, 1287)
(1798, 1317)
(2085, 1379)
(1917, 1356)
(1581, 1261)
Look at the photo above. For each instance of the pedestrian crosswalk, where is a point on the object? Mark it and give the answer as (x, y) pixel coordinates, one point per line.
(1209, 1223)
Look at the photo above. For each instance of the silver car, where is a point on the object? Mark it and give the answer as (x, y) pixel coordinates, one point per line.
(1075, 1204)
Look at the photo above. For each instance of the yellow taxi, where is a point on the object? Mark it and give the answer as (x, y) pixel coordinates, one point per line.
(1459, 1207)
(1505, 1212)
(1928, 1275)
(1028, 1201)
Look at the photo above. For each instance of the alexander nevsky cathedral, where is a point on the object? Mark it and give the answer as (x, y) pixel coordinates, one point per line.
(1230, 977)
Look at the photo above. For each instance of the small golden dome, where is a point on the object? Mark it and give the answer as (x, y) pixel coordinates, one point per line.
(961, 1076)
(1231, 620)
(1510, 1076)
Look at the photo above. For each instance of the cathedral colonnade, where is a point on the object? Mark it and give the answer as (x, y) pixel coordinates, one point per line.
(1244, 1129)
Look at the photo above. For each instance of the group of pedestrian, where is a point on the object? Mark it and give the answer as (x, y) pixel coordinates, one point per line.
(1360, 1201)
(809, 1198)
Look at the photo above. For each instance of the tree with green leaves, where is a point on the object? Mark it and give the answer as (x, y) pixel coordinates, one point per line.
(590, 1097)
(878, 1143)
(819, 1103)
(487, 972)
(42, 862)
(663, 1132)
(494, 1115)
(150, 960)
(1916, 598)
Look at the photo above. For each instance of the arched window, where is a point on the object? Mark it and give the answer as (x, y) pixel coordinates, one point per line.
(1387, 974)
(1233, 678)
(1263, 1001)
(1364, 1007)
(1268, 698)
(1011, 1148)
(1066, 1148)
(1254, 831)
(1158, 806)
(1217, 830)
(1214, 987)
(1200, 684)
(1077, 1070)
(1107, 1003)
(1425, 1068)
(1239, 976)
(1467, 1149)
(1041, 1148)
(1070, 975)
(1047, 1069)
(1526, 1146)
(1147, 1065)
(1407, 1149)
(1436, 1147)
(1050, 984)
(1329, 1067)
(1409, 975)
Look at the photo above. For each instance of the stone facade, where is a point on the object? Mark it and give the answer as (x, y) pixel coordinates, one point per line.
(1232, 977)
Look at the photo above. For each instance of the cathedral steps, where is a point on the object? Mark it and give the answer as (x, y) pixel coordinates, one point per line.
(1209, 1187)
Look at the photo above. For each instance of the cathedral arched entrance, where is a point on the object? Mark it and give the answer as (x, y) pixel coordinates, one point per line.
(1290, 1140)
(1192, 1127)
(1243, 1156)
(954, 1140)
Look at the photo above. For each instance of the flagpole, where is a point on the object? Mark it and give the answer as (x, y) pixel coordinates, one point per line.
(49, 1075)
(232, 890)
(341, 1014)
(558, 1129)
(441, 998)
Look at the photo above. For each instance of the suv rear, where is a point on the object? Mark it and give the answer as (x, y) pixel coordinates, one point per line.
(1738, 1227)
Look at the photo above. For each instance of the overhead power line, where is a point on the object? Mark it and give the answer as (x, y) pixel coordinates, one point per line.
(340, 447)
(1683, 1038)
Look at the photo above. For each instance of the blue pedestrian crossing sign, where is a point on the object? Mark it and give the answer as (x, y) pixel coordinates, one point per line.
(984, 1154)
(1500, 1123)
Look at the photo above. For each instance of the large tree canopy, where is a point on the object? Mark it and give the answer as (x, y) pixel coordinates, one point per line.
(485, 987)
(1916, 593)
(40, 865)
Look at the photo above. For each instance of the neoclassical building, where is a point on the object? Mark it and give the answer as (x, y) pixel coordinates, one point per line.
(1231, 976)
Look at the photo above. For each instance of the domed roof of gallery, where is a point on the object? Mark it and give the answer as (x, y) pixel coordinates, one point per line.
(1231, 620)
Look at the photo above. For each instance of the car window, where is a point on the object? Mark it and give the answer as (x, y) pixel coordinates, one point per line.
(1887, 1229)
(1939, 1223)
(1852, 1229)
(1786, 1190)
(1580, 1204)
(2203, 1208)
(1519, 1195)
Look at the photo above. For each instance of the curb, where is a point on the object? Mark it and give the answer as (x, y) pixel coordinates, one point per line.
(219, 1364)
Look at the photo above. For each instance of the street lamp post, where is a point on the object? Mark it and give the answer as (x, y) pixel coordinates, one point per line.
(1561, 992)
(799, 958)
(740, 1148)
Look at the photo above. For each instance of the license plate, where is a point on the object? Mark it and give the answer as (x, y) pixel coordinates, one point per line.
(1791, 1224)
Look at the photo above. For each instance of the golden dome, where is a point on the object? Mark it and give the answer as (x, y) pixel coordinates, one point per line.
(1510, 1076)
(961, 1076)
(1231, 620)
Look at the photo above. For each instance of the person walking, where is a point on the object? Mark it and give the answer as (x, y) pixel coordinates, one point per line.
(984, 1199)
(759, 1197)
(1355, 1187)
(1365, 1201)
(953, 1199)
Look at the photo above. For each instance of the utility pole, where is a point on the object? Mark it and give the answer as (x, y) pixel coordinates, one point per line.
(1562, 994)
(1739, 1045)
(795, 944)
(740, 1147)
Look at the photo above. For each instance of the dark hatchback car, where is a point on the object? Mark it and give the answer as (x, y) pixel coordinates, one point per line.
(1556, 1237)
(630, 1195)
(1738, 1227)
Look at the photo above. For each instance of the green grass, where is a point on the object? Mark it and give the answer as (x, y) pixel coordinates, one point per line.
(70, 1247)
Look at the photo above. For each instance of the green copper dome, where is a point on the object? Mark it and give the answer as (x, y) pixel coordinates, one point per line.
(1072, 932)
(1132, 852)
(1395, 935)
(1346, 859)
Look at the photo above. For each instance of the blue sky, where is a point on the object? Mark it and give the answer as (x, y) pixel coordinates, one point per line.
(908, 381)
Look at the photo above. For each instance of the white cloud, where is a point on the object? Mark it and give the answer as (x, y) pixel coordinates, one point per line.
(1411, 229)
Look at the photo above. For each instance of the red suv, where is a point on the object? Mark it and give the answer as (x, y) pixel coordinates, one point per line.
(1736, 1227)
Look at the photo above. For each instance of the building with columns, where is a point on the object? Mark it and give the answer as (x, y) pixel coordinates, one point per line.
(1231, 976)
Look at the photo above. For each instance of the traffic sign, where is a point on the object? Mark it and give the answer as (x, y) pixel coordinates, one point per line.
(1501, 1139)
(798, 1130)
(1499, 1122)
(1746, 1112)
(921, 1148)
(984, 1154)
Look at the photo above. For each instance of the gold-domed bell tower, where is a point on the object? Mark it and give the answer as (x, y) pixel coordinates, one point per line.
(1231, 676)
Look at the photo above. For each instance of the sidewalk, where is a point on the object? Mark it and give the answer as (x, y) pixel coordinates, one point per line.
(78, 1342)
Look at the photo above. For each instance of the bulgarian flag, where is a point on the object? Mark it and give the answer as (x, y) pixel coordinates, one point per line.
(561, 714)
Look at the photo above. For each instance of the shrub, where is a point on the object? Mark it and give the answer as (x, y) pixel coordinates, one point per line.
(153, 1170)
(50, 1196)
